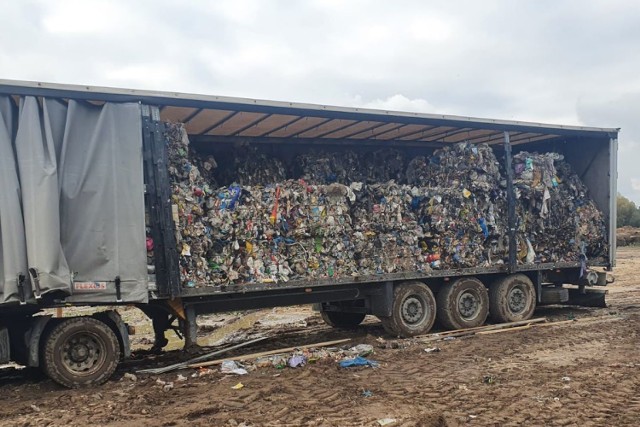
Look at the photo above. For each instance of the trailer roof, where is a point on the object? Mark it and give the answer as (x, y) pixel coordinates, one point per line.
(220, 118)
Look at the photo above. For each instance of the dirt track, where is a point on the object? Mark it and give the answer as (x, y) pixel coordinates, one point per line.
(583, 373)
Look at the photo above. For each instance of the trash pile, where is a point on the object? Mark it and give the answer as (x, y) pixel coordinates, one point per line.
(250, 166)
(347, 215)
(346, 357)
(558, 221)
(346, 167)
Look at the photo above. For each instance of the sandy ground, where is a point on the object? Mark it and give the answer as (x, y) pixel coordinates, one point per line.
(583, 373)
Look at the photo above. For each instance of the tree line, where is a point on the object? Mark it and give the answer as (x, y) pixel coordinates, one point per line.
(628, 212)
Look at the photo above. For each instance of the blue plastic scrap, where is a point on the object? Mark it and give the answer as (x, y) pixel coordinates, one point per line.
(358, 361)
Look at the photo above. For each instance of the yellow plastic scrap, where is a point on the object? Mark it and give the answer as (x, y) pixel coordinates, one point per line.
(186, 250)
(238, 386)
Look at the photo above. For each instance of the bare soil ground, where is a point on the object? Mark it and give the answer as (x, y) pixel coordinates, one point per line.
(584, 373)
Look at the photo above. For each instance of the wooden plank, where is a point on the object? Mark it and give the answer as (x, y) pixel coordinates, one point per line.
(358, 127)
(205, 119)
(235, 123)
(201, 358)
(402, 131)
(267, 125)
(371, 133)
(269, 353)
(472, 331)
(497, 331)
(176, 114)
(299, 126)
(327, 127)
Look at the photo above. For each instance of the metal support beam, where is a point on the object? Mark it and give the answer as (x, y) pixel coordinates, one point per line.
(613, 193)
(215, 139)
(539, 285)
(511, 202)
(158, 202)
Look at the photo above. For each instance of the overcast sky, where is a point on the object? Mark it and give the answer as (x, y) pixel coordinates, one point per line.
(568, 62)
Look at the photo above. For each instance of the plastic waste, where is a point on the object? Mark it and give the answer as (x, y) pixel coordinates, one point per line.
(358, 361)
(252, 217)
(360, 350)
(297, 360)
(232, 367)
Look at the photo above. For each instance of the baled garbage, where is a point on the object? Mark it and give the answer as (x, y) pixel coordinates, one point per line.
(329, 215)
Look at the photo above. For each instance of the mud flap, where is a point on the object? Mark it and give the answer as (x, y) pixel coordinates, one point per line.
(382, 300)
(590, 297)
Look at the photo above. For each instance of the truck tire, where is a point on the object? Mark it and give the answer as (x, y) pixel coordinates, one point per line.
(553, 295)
(79, 352)
(413, 310)
(512, 299)
(463, 303)
(339, 319)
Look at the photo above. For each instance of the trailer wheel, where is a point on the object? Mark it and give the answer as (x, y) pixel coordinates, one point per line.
(80, 351)
(512, 299)
(413, 311)
(463, 303)
(338, 319)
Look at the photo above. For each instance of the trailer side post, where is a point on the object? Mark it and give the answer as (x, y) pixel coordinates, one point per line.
(613, 200)
(158, 196)
(511, 201)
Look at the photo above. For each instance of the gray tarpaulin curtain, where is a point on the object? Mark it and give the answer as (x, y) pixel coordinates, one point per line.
(71, 200)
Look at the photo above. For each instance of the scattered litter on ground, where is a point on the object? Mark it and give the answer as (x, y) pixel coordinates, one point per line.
(488, 379)
(238, 386)
(358, 361)
(232, 367)
(130, 376)
(297, 360)
(360, 350)
(432, 350)
(387, 421)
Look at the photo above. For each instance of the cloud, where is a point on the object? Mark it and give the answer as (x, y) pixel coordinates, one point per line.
(568, 62)
(396, 103)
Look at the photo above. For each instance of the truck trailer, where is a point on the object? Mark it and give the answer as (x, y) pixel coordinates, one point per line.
(85, 179)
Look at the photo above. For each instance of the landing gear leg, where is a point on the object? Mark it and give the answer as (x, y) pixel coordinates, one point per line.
(190, 328)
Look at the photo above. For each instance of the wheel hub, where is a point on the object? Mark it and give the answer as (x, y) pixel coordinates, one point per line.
(468, 305)
(412, 310)
(81, 353)
(517, 300)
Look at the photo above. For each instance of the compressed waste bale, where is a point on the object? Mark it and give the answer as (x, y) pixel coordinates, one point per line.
(558, 221)
(462, 229)
(250, 165)
(461, 205)
(325, 167)
(462, 165)
(357, 215)
(385, 165)
(387, 232)
(346, 167)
